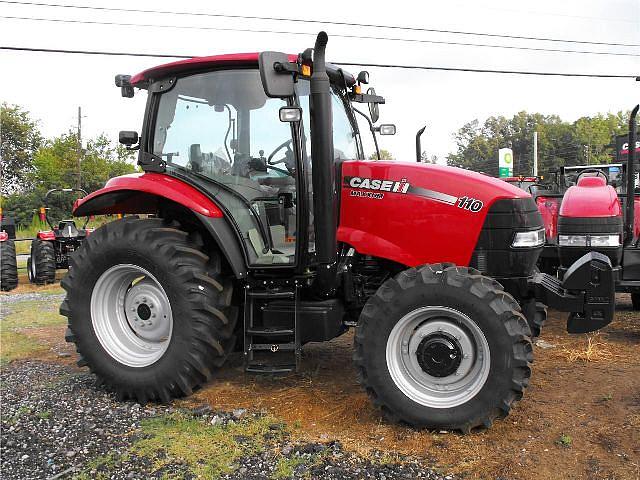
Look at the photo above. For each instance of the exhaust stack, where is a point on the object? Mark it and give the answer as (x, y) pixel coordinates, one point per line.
(631, 177)
(324, 197)
(418, 145)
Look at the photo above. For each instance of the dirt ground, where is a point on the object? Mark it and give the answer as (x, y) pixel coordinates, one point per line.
(579, 419)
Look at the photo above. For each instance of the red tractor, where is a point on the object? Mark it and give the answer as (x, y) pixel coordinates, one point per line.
(50, 249)
(267, 226)
(601, 213)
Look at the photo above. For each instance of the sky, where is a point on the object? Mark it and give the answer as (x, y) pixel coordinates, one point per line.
(52, 86)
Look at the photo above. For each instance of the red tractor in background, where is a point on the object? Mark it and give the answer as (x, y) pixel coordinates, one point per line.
(522, 182)
(588, 208)
(267, 225)
(50, 249)
(595, 216)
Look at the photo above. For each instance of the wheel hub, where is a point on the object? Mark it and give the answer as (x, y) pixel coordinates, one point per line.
(146, 310)
(439, 355)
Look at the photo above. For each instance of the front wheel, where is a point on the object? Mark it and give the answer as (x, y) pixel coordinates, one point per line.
(148, 309)
(443, 347)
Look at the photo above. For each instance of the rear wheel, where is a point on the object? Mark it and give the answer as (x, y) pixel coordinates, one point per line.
(42, 263)
(443, 347)
(149, 311)
(8, 266)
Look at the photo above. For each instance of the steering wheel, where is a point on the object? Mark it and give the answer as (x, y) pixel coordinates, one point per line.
(597, 172)
(287, 144)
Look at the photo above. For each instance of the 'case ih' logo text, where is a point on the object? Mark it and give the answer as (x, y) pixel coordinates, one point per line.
(377, 184)
(374, 188)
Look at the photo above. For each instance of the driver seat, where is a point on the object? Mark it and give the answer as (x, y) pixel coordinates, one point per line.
(67, 229)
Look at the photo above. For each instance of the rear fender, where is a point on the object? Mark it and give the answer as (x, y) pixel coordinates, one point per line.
(46, 235)
(144, 193)
(140, 193)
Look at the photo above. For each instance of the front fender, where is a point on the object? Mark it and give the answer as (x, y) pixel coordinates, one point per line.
(140, 193)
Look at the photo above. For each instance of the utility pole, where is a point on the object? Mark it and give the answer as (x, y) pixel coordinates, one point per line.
(79, 156)
(535, 154)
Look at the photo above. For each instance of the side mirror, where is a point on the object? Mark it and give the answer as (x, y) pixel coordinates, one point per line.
(386, 129)
(363, 77)
(277, 79)
(128, 138)
(124, 82)
(374, 110)
(290, 114)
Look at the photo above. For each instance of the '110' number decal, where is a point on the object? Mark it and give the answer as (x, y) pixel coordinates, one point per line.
(470, 204)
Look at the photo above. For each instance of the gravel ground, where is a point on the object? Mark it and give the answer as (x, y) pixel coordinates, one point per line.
(56, 423)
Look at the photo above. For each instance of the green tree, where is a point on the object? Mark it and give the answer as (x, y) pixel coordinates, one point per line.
(55, 164)
(384, 155)
(585, 141)
(19, 140)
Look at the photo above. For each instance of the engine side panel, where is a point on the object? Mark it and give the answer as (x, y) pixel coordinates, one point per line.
(414, 213)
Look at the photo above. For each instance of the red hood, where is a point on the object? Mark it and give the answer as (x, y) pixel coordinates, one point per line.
(592, 197)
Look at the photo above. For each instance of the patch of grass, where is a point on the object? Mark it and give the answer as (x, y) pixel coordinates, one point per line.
(45, 415)
(209, 451)
(607, 397)
(15, 341)
(564, 440)
(594, 351)
(14, 345)
(33, 314)
(102, 467)
(286, 467)
(21, 411)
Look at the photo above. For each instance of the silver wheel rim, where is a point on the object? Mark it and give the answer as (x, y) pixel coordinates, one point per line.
(410, 377)
(131, 315)
(32, 269)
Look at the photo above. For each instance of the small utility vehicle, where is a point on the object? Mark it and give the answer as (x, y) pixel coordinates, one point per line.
(51, 248)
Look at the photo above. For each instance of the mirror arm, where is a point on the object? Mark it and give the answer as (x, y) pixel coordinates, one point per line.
(372, 128)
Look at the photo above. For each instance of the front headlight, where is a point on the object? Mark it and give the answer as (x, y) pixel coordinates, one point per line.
(534, 238)
(604, 240)
(572, 240)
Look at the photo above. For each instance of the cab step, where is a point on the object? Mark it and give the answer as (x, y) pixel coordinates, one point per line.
(268, 348)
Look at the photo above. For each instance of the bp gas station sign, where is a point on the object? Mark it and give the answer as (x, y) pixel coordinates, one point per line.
(505, 162)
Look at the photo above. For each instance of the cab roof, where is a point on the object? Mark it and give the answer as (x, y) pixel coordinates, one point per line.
(215, 61)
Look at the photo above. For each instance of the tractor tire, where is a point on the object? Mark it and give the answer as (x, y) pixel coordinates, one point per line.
(42, 263)
(536, 315)
(635, 300)
(8, 266)
(148, 310)
(443, 347)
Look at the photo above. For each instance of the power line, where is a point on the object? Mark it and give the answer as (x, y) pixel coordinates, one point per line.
(325, 22)
(345, 64)
(287, 32)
